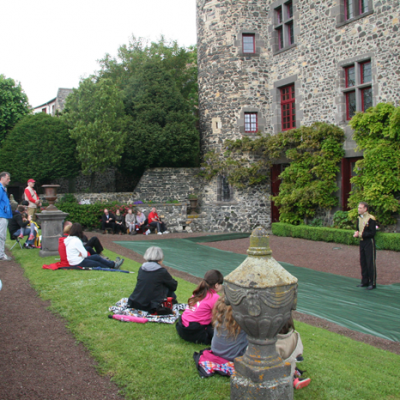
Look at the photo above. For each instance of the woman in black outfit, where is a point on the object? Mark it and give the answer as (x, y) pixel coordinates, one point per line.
(154, 283)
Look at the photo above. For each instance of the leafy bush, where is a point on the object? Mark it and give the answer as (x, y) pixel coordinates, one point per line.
(68, 198)
(341, 220)
(377, 132)
(39, 143)
(384, 241)
(316, 222)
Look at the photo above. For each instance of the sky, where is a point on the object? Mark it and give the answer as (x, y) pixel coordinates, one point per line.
(48, 45)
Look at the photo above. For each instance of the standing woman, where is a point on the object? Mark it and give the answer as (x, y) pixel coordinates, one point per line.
(194, 325)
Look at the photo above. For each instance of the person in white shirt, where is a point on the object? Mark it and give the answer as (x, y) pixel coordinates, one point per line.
(77, 255)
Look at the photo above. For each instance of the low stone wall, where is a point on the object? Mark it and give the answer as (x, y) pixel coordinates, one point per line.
(91, 198)
(164, 184)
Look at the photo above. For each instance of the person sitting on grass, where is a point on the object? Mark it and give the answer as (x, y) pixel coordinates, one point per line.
(290, 348)
(194, 325)
(154, 221)
(77, 255)
(154, 284)
(18, 227)
(229, 341)
(130, 222)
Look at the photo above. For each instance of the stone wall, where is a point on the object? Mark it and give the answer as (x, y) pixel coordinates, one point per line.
(165, 184)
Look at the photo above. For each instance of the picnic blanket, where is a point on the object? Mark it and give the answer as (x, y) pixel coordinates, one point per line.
(121, 308)
(208, 364)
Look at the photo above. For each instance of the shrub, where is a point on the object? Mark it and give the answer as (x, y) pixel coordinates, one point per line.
(341, 220)
(384, 241)
(68, 198)
(316, 222)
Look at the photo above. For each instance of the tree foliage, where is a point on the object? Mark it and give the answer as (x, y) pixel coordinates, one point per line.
(13, 105)
(309, 182)
(140, 108)
(377, 132)
(159, 83)
(95, 114)
(39, 146)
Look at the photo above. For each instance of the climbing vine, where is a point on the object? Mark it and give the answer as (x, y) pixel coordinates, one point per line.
(377, 132)
(309, 182)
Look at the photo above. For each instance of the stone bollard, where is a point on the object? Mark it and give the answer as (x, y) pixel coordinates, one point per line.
(262, 295)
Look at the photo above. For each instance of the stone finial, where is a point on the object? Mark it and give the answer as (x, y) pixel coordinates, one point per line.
(259, 243)
(260, 269)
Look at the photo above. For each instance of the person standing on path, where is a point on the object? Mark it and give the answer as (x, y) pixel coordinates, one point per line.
(366, 230)
(5, 214)
(32, 197)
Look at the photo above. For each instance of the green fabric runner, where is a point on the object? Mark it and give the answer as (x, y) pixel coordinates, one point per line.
(324, 295)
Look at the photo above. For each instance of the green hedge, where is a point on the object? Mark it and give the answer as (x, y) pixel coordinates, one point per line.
(384, 241)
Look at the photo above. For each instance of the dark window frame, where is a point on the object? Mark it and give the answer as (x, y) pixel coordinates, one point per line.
(284, 25)
(359, 87)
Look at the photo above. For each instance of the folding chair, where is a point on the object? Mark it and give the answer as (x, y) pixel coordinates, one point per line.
(16, 238)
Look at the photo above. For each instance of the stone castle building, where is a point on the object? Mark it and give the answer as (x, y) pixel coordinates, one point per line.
(270, 66)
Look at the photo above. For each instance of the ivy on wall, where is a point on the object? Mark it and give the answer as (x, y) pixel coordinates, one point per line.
(309, 182)
(377, 132)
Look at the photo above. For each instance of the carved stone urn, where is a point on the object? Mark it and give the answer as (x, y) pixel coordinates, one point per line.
(50, 194)
(262, 295)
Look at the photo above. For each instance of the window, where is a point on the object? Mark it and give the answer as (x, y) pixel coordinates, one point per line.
(250, 122)
(358, 88)
(224, 192)
(288, 109)
(283, 25)
(249, 43)
(355, 8)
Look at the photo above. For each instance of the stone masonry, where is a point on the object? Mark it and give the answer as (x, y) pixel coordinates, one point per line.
(232, 83)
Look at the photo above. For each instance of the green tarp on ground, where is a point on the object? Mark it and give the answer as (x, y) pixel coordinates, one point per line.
(332, 297)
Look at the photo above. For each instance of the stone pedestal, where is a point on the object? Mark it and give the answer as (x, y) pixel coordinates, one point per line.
(52, 230)
(262, 295)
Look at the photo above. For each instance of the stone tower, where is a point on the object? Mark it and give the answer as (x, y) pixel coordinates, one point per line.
(273, 65)
(232, 87)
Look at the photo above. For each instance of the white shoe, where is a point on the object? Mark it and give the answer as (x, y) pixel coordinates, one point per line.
(159, 233)
(6, 258)
(148, 232)
(165, 232)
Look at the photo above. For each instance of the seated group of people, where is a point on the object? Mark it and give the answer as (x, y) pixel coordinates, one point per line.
(82, 252)
(132, 223)
(21, 224)
(207, 319)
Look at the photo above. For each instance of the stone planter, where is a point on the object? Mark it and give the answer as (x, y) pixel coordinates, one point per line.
(50, 194)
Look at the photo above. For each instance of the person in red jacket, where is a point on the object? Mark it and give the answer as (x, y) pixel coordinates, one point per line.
(154, 220)
(32, 197)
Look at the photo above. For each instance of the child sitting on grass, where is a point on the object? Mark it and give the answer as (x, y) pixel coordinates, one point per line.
(194, 325)
(290, 348)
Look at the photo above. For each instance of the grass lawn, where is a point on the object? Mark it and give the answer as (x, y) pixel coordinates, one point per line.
(149, 361)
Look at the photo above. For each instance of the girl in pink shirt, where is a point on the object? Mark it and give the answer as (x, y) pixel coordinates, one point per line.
(195, 323)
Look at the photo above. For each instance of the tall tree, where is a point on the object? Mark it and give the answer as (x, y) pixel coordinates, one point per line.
(97, 120)
(159, 82)
(39, 146)
(13, 105)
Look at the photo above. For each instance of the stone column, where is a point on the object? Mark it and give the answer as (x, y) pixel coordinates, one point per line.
(51, 220)
(52, 229)
(262, 294)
